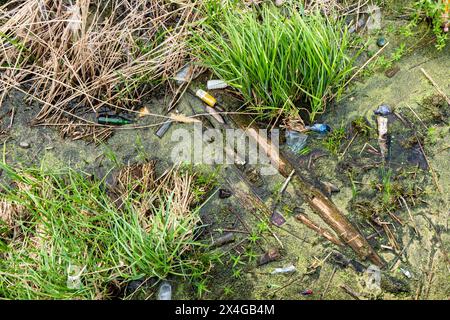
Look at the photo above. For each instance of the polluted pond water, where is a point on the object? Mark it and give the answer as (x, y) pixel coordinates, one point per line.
(239, 230)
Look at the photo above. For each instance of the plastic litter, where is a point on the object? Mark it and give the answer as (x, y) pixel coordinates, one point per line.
(271, 255)
(277, 218)
(307, 292)
(374, 19)
(113, 120)
(406, 273)
(296, 141)
(74, 273)
(184, 74)
(165, 291)
(224, 193)
(287, 269)
(383, 110)
(319, 128)
(216, 84)
(373, 278)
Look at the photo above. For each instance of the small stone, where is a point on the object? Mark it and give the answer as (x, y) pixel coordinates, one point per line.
(279, 3)
(24, 145)
(381, 42)
(224, 193)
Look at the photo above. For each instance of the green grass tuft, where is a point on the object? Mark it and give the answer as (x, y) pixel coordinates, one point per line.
(276, 59)
(56, 221)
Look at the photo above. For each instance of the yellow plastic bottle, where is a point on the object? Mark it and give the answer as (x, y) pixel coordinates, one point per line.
(206, 97)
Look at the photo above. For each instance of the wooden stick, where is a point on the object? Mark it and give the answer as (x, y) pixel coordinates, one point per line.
(318, 202)
(323, 232)
(435, 85)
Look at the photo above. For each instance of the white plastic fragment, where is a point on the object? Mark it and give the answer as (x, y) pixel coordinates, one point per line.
(374, 19)
(165, 291)
(406, 273)
(184, 74)
(287, 269)
(216, 84)
(373, 274)
(74, 273)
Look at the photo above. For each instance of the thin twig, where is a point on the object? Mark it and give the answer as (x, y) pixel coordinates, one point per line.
(435, 86)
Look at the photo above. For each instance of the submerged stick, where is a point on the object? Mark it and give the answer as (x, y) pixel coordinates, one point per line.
(318, 202)
(323, 232)
(435, 85)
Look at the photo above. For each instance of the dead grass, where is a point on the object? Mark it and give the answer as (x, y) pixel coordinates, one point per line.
(77, 59)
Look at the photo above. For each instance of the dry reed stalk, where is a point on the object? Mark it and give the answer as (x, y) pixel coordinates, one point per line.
(78, 58)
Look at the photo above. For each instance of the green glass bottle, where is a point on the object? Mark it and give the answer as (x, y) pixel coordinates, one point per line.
(113, 120)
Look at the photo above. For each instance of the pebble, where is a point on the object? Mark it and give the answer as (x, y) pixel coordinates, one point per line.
(24, 145)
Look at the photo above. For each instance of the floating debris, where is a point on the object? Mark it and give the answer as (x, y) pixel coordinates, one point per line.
(374, 19)
(329, 187)
(271, 255)
(165, 291)
(319, 128)
(74, 277)
(307, 292)
(24, 145)
(113, 120)
(391, 72)
(224, 193)
(406, 273)
(163, 128)
(295, 141)
(184, 74)
(277, 218)
(383, 110)
(287, 269)
(216, 84)
(222, 240)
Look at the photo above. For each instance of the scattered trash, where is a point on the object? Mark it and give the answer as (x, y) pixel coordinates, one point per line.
(271, 255)
(406, 273)
(24, 145)
(216, 84)
(277, 218)
(374, 19)
(279, 3)
(224, 239)
(319, 128)
(295, 141)
(373, 278)
(143, 112)
(307, 292)
(287, 269)
(329, 187)
(184, 74)
(113, 120)
(165, 291)
(358, 25)
(206, 97)
(224, 193)
(391, 72)
(381, 42)
(163, 128)
(383, 110)
(342, 261)
(382, 135)
(74, 273)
